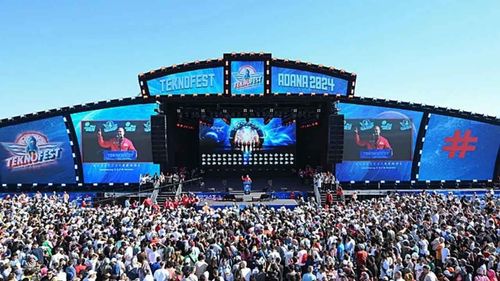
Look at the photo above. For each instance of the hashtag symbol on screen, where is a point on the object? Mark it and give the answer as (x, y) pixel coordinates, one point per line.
(460, 144)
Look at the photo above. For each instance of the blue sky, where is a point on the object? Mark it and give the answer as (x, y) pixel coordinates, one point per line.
(60, 53)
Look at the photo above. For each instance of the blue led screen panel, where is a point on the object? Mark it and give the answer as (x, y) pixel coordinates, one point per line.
(289, 80)
(379, 143)
(36, 152)
(459, 149)
(200, 81)
(115, 143)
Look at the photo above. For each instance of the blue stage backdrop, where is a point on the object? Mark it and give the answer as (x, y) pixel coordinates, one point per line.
(251, 142)
(247, 77)
(36, 152)
(379, 143)
(200, 81)
(289, 80)
(459, 149)
(115, 143)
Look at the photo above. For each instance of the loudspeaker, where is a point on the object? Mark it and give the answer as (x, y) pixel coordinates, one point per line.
(335, 150)
(159, 139)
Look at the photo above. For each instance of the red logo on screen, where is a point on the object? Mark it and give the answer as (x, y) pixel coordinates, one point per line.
(31, 149)
(459, 144)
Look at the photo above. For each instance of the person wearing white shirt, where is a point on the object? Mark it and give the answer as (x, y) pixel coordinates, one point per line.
(429, 275)
(200, 266)
(245, 271)
(161, 274)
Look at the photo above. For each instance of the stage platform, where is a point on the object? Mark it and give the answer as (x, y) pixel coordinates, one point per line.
(276, 203)
(261, 182)
(244, 200)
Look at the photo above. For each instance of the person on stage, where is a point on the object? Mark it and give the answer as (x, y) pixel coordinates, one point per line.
(375, 142)
(247, 183)
(118, 143)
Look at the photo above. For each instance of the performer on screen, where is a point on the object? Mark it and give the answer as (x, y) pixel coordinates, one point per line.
(118, 143)
(376, 141)
(247, 184)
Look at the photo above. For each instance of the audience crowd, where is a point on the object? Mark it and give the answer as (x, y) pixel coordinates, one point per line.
(423, 237)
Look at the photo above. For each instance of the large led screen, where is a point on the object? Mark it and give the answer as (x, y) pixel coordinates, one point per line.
(459, 149)
(252, 141)
(379, 143)
(288, 80)
(115, 143)
(200, 81)
(36, 152)
(247, 77)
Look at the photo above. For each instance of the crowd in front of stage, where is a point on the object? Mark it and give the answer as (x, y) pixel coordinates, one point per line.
(425, 237)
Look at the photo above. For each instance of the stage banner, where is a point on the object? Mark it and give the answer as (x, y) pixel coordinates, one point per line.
(294, 81)
(200, 81)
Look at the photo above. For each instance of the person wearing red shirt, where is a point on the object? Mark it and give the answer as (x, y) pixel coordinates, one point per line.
(329, 199)
(376, 142)
(247, 184)
(80, 266)
(185, 201)
(118, 143)
(148, 202)
(340, 193)
(167, 204)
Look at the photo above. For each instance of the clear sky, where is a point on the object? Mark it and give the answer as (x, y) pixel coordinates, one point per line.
(60, 53)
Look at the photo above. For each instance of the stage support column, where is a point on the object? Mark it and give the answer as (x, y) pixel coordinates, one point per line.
(159, 140)
(335, 149)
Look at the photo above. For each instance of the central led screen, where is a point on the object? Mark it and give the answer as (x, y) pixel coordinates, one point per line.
(252, 141)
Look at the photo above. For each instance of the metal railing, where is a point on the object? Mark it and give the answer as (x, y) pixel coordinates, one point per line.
(175, 188)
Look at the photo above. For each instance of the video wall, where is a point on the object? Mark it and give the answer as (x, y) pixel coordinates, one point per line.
(289, 80)
(247, 77)
(251, 141)
(200, 81)
(379, 143)
(115, 143)
(457, 148)
(36, 152)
